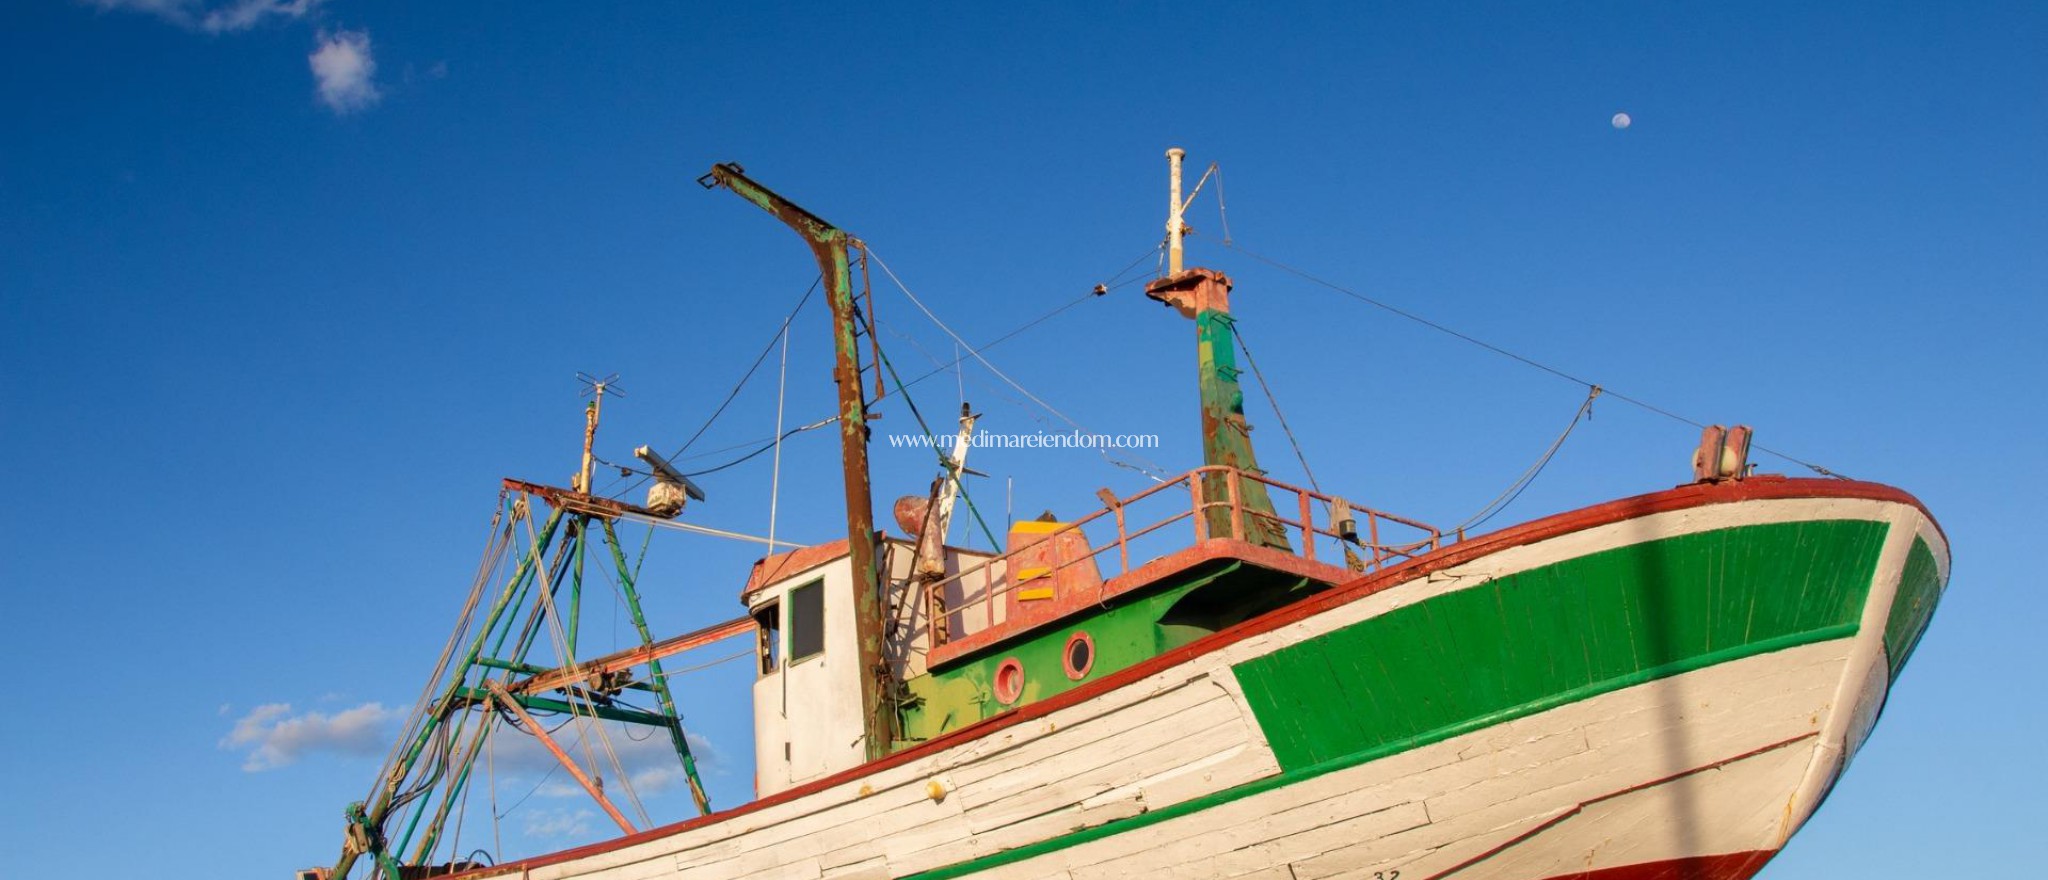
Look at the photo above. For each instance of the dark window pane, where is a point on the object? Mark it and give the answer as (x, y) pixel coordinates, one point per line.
(806, 620)
(768, 627)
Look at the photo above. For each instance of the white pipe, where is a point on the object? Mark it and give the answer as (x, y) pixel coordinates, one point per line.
(1173, 221)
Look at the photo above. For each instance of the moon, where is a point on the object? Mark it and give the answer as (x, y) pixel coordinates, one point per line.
(1621, 120)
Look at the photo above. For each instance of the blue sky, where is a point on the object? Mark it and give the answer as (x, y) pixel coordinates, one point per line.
(288, 286)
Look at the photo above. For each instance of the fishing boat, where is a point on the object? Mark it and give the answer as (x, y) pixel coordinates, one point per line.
(1222, 675)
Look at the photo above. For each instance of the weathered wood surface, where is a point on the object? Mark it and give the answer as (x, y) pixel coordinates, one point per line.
(1721, 759)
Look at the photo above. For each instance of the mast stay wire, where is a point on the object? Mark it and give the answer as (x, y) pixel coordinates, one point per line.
(1148, 469)
(1590, 386)
(1514, 489)
(1350, 557)
(919, 417)
(759, 359)
(585, 725)
(781, 333)
(496, 545)
(1028, 411)
(763, 445)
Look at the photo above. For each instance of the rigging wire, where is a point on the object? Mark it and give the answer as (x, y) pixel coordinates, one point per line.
(1113, 284)
(1514, 489)
(764, 445)
(1152, 471)
(911, 404)
(567, 659)
(781, 332)
(1275, 403)
(530, 792)
(781, 396)
(1350, 557)
(491, 770)
(1396, 310)
(498, 540)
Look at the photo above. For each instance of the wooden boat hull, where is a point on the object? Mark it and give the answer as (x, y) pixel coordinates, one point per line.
(1664, 686)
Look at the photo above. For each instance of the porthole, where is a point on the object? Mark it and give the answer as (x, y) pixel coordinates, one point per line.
(1009, 681)
(1079, 655)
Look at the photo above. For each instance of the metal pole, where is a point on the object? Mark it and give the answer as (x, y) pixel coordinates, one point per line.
(1173, 212)
(656, 678)
(568, 763)
(828, 244)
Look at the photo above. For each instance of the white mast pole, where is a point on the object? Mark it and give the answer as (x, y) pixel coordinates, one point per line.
(1173, 212)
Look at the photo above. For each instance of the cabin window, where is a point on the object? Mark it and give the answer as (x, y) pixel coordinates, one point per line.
(806, 621)
(768, 637)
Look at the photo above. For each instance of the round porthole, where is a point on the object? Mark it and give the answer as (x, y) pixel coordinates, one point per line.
(1079, 656)
(1009, 680)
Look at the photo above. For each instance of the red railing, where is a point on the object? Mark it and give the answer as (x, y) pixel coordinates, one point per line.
(972, 600)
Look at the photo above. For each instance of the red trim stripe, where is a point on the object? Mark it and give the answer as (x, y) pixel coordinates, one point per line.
(1731, 866)
(1684, 497)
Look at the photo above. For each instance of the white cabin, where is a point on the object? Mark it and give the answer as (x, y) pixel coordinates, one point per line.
(807, 698)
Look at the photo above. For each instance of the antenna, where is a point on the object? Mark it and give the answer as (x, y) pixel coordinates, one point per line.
(596, 390)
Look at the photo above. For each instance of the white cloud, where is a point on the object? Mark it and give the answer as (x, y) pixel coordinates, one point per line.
(214, 18)
(274, 737)
(559, 823)
(244, 14)
(647, 755)
(344, 74)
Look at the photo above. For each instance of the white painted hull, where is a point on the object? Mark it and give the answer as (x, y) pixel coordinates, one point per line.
(1170, 775)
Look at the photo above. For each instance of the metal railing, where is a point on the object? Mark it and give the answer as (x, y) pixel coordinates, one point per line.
(972, 601)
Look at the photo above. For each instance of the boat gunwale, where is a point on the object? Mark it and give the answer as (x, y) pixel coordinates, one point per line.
(1682, 497)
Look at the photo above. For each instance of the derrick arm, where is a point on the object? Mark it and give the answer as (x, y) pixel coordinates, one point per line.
(828, 245)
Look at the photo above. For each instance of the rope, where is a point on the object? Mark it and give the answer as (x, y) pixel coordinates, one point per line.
(496, 543)
(1590, 386)
(585, 724)
(1514, 490)
(1222, 212)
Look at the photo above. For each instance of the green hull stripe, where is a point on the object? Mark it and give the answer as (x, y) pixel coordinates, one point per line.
(1531, 642)
(1293, 776)
(1559, 630)
(1912, 606)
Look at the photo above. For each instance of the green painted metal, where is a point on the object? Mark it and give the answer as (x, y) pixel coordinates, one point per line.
(1226, 434)
(477, 695)
(458, 721)
(566, 566)
(1920, 586)
(1521, 639)
(377, 811)
(504, 637)
(578, 527)
(1295, 775)
(1130, 630)
(657, 679)
(522, 668)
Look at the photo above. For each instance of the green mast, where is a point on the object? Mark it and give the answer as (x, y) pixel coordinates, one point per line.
(1204, 295)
